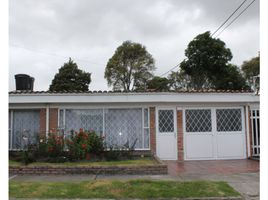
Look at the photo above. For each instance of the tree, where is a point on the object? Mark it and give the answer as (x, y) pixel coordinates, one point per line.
(251, 69)
(158, 84)
(70, 78)
(178, 80)
(130, 67)
(207, 65)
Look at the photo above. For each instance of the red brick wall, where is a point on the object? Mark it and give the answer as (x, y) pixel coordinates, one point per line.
(180, 135)
(53, 119)
(152, 130)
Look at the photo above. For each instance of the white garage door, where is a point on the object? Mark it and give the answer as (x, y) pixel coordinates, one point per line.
(214, 133)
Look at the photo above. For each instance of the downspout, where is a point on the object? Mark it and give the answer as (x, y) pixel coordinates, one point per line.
(47, 120)
(247, 125)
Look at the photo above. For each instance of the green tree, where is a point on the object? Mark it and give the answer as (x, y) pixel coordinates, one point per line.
(70, 78)
(158, 83)
(251, 69)
(178, 80)
(130, 67)
(207, 64)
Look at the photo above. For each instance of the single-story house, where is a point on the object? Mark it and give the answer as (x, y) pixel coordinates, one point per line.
(181, 125)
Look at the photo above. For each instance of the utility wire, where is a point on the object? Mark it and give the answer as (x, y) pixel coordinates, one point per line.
(229, 17)
(236, 17)
(223, 25)
(170, 70)
(52, 54)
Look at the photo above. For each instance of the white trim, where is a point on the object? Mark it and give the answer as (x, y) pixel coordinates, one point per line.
(47, 120)
(247, 130)
(133, 97)
(11, 129)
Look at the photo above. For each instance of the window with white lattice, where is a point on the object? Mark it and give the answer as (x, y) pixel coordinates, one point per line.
(24, 128)
(165, 121)
(88, 119)
(229, 120)
(198, 120)
(120, 126)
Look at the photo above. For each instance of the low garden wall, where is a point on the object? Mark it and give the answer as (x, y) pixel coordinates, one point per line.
(107, 170)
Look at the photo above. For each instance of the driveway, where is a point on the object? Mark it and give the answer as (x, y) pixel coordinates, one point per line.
(242, 175)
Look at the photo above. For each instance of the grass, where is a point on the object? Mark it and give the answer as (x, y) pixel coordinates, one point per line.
(134, 162)
(120, 189)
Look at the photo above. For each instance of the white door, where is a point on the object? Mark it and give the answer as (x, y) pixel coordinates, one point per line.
(214, 133)
(166, 134)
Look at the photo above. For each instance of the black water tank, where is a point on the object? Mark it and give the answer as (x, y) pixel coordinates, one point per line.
(24, 82)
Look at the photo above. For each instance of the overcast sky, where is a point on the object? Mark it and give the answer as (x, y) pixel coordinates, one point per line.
(44, 34)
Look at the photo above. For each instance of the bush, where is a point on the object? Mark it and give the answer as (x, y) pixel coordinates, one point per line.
(82, 144)
(55, 145)
(116, 152)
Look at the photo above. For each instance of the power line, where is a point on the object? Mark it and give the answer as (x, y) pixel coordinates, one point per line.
(170, 70)
(236, 17)
(52, 54)
(229, 17)
(222, 25)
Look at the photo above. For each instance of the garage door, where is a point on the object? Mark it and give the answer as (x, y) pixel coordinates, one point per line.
(214, 133)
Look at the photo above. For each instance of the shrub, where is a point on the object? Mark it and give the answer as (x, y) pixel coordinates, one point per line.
(83, 143)
(55, 145)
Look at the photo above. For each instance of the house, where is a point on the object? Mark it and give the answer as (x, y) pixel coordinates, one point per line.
(182, 125)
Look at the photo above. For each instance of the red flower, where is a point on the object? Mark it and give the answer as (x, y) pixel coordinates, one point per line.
(58, 142)
(81, 130)
(84, 146)
(50, 149)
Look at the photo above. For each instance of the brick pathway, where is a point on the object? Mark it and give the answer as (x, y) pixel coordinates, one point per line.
(212, 167)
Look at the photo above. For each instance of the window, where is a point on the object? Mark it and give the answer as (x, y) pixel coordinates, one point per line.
(120, 126)
(146, 130)
(91, 119)
(24, 128)
(166, 121)
(229, 120)
(198, 120)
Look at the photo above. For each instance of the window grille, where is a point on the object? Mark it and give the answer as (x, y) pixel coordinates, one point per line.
(229, 120)
(91, 119)
(120, 126)
(198, 120)
(25, 128)
(255, 130)
(166, 121)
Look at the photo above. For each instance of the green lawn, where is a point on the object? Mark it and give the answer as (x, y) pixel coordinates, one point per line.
(134, 162)
(120, 189)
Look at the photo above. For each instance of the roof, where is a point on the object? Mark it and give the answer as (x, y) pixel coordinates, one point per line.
(126, 92)
(107, 97)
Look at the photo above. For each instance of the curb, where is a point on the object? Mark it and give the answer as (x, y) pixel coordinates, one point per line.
(191, 198)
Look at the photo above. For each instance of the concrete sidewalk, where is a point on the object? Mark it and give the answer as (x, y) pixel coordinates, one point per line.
(245, 183)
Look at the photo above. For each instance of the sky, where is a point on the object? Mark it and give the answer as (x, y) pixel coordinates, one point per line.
(44, 34)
